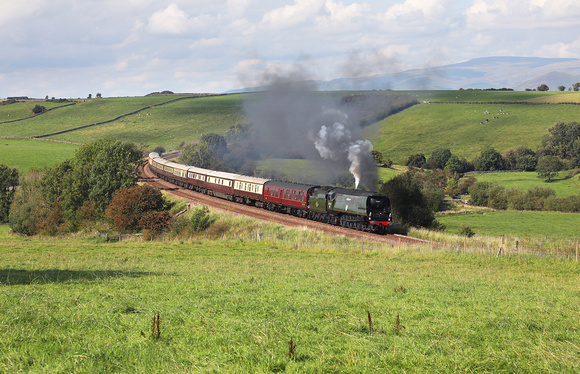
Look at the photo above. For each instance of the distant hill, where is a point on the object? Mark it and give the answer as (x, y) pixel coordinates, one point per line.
(518, 73)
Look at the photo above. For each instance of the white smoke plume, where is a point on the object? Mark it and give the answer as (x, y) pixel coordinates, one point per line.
(335, 143)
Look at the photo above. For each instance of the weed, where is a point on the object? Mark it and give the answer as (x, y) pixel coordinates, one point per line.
(155, 326)
(370, 321)
(400, 289)
(398, 327)
(291, 349)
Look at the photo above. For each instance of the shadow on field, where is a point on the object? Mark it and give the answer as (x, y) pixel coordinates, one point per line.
(18, 277)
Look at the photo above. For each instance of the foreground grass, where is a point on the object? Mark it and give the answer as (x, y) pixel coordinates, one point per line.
(81, 305)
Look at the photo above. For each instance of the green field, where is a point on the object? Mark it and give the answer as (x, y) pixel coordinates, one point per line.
(564, 184)
(80, 305)
(426, 127)
(488, 96)
(167, 125)
(26, 153)
(554, 225)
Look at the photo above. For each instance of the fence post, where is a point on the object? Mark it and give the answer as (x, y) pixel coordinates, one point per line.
(576, 249)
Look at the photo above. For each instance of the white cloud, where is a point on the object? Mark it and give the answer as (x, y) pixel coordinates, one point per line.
(291, 15)
(170, 20)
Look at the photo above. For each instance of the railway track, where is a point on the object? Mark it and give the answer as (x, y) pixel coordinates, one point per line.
(266, 215)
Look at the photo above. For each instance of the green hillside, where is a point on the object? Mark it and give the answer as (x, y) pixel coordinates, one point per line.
(426, 127)
(167, 125)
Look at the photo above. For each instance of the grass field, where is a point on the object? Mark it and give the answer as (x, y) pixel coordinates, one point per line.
(167, 126)
(426, 127)
(26, 153)
(516, 224)
(564, 184)
(80, 305)
(484, 96)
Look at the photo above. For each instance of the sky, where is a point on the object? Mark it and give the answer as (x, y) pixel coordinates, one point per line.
(72, 48)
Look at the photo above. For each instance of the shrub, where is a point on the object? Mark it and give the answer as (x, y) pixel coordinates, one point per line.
(479, 193)
(155, 223)
(465, 230)
(130, 204)
(201, 219)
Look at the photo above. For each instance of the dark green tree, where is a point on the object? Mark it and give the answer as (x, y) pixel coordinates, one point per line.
(561, 140)
(439, 158)
(543, 87)
(489, 160)
(216, 143)
(417, 160)
(548, 167)
(38, 109)
(457, 166)
(527, 163)
(114, 167)
(409, 205)
(200, 155)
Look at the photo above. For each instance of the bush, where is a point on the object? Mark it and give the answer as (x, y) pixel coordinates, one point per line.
(465, 230)
(155, 223)
(201, 219)
(129, 205)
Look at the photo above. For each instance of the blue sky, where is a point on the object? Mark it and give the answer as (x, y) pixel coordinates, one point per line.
(70, 48)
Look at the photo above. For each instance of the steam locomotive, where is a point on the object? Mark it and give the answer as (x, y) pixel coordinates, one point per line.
(355, 209)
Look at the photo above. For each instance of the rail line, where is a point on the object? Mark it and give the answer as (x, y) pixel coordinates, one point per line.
(191, 196)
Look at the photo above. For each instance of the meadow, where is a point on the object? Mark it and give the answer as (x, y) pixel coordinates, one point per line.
(86, 305)
(522, 224)
(426, 127)
(166, 125)
(564, 184)
(26, 153)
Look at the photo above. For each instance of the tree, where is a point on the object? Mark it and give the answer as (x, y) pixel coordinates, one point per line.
(458, 165)
(527, 163)
(576, 86)
(548, 167)
(561, 88)
(489, 160)
(417, 160)
(114, 167)
(30, 204)
(543, 87)
(8, 183)
(216, 143)
(38, 109)
(408, 203)
(439, 158)
(561, 138)
(377, 157)
(199, 155)
(130, 205)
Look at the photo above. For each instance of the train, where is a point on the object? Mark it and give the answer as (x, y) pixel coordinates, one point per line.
(354, 209)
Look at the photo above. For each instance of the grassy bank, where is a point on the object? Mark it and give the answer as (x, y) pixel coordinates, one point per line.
(80, 305)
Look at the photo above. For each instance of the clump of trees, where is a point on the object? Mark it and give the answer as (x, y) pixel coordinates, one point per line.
(536, 198)
(96, 188)
(57, 199)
